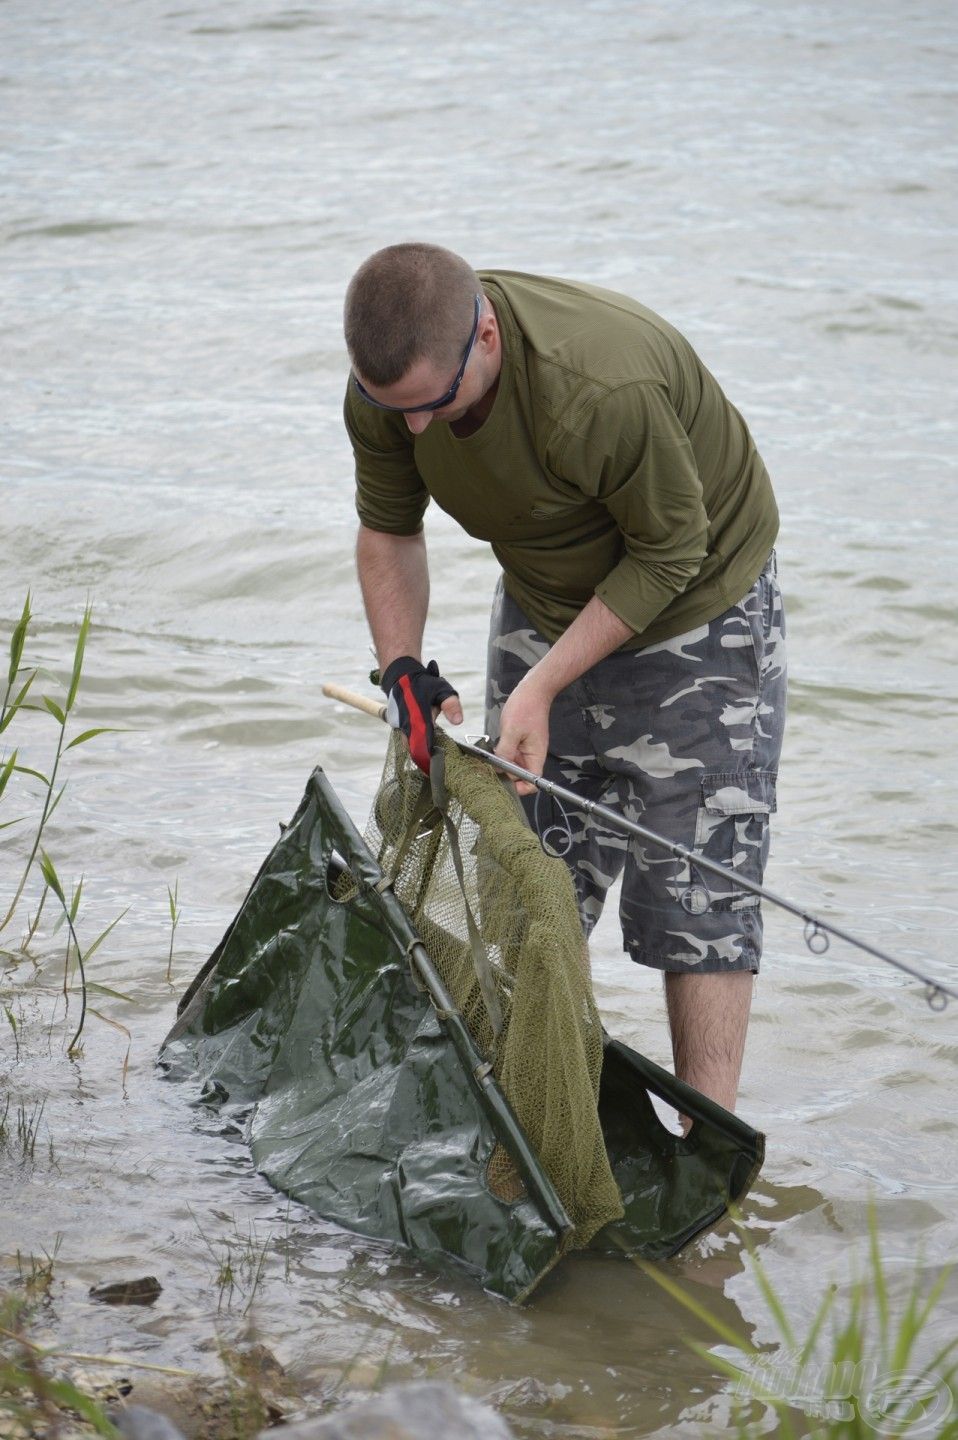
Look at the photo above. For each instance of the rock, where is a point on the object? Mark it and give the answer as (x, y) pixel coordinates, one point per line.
(104, 1386)
(128, 1292)
(168, 1401)
(424, 1410)
(138, 1423)
(256, 1362)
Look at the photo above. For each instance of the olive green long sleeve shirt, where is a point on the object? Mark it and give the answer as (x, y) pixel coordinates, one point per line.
(611, 464)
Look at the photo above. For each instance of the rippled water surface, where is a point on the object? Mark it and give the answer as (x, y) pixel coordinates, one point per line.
(185, 192)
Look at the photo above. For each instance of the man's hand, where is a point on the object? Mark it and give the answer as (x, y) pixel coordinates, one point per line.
(416, 693)
(524, 724)
(524, 728)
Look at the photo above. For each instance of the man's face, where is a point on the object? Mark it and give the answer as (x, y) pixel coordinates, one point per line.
(420, 386)
(424, 381)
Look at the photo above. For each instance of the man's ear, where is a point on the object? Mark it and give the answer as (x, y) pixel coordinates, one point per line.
(488, 329)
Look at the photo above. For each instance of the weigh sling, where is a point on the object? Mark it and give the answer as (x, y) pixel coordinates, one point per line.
(404, 1025)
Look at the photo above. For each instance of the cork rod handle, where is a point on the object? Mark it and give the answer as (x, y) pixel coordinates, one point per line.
(358, 702)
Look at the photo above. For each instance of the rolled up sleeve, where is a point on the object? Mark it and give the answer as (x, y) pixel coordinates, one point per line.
(390, 494)
(630, 453)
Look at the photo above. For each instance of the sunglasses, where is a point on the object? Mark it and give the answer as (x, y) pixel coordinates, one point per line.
(450, 394)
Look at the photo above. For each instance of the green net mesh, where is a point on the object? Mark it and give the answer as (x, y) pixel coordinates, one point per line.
(498, 917)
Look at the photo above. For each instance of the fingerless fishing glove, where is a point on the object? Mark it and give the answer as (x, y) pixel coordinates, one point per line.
(414, 689)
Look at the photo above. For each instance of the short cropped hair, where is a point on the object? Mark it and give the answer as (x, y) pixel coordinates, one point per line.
(406, 303)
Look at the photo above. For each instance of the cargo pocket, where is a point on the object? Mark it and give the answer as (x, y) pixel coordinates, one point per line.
(731, 828)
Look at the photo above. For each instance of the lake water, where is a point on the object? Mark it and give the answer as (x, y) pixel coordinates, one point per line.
(185, 192)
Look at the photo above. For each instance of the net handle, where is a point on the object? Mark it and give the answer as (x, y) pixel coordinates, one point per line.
(375, 708)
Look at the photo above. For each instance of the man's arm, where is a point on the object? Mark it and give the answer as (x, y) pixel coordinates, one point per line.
(394, 579)
(524, 725)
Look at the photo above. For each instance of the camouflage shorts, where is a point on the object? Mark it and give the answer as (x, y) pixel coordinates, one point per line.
(684, 738)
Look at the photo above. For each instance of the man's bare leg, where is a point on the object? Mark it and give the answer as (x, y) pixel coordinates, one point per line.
(708, 1018)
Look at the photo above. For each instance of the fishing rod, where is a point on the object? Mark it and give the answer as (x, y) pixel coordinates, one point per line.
(817, 930)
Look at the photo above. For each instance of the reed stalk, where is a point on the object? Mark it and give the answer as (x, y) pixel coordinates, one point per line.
(60, 713)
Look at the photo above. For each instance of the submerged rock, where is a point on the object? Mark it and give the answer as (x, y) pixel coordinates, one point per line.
(128, 1292)
(253, 1394)
(166, 1402)
(425, 1410)
(137, 1423)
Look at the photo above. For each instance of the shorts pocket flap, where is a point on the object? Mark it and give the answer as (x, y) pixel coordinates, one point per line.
(743, 792)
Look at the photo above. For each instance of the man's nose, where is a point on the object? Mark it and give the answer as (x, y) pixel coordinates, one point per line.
(418, 420)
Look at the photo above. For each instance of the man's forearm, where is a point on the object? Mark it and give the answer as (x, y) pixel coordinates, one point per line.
(594, 633)
(524, 723)
(394, 579)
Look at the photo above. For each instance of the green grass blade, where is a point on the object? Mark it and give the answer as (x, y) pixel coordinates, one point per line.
(92, 949)
(68, 1397)
(17, 702)
(75, 900)
(78, 657)
(848, 1341)
(783, 1429)
(934, 1295)
(7, 771)
(37, 774)
(878, 1275)
(89, 734)
(915, 1317)
(765, 1285)
(711, 1322)
(821, 1315)
(114, 994)
(114, 1024)
(5, 823)
(722, 1362)
(907, 1328)
(933, 1371)
(51, 877)
(46, 674)
(17, 640)
(56, 800)
(54, 710)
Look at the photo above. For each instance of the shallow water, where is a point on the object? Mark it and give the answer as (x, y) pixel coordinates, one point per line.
(186, 190)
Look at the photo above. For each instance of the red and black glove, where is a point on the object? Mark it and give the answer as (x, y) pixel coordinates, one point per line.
(414, 690)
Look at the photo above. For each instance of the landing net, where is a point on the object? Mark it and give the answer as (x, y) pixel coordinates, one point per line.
(498, 917)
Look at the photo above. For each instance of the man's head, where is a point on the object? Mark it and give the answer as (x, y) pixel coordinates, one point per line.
(422, 338)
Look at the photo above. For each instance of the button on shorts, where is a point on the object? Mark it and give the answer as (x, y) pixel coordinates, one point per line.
(684, 738)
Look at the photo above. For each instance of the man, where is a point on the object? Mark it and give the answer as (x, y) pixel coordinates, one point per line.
(637, 644)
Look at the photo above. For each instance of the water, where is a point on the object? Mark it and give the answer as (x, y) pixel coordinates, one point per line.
(185, 192)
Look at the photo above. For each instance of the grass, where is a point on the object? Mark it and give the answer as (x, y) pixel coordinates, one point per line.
(854, 1374)
(51, 797)
(28, 1127)
(175, 915)
(27, 1119)
(18, 698)
(32, 1390)
(38, 1279)
(239, 1261)
(15, 1027)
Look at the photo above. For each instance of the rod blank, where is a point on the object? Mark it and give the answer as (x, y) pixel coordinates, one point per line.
(937, 994)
